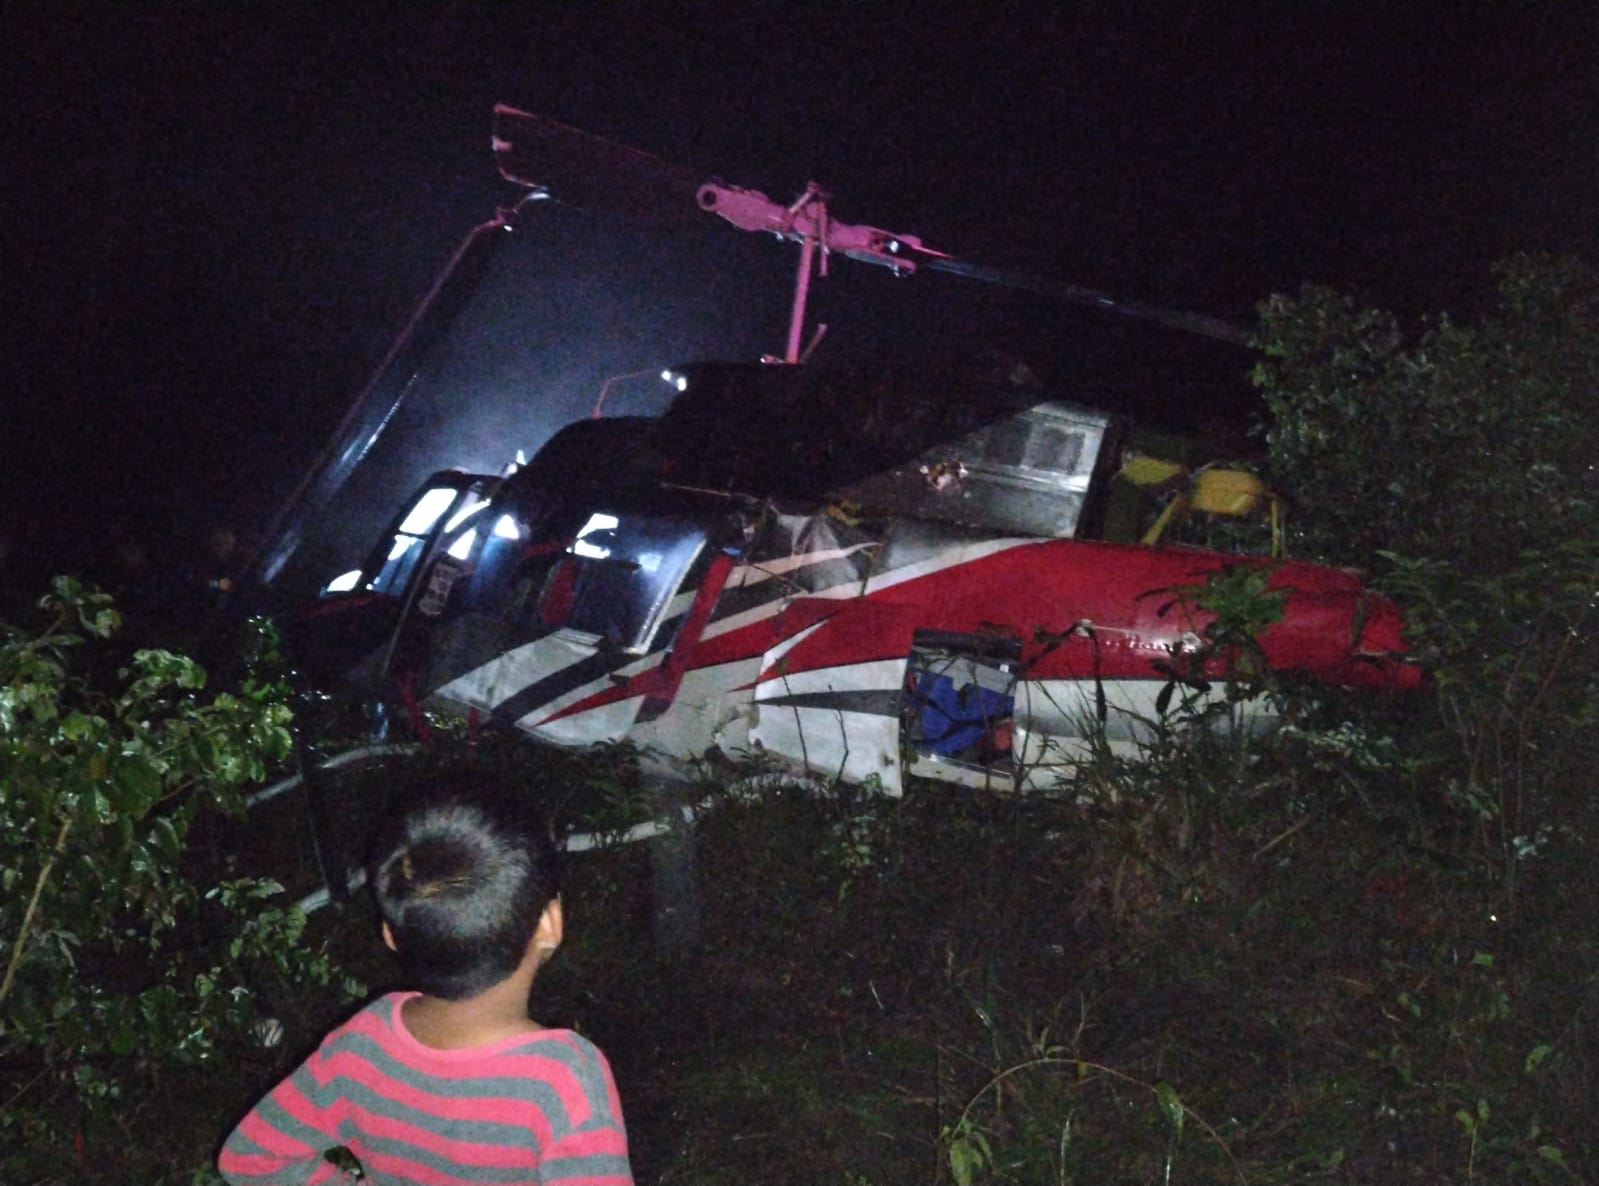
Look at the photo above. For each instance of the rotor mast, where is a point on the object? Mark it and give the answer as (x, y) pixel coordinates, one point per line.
(806, 221)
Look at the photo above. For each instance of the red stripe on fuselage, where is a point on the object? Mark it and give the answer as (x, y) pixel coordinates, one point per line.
(1125, 594)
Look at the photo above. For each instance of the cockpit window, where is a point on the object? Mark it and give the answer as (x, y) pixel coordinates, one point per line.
(410, 540)
(427, 510)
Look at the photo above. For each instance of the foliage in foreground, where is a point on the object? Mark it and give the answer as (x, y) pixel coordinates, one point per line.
(1190, 969)
(128, 959)
(1198, 968)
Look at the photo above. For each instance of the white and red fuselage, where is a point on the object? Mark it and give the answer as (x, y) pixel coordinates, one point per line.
(698, 601)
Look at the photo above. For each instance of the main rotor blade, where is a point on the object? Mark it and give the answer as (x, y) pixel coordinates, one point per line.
(579, 169)
(374, 407)
(1194, 323)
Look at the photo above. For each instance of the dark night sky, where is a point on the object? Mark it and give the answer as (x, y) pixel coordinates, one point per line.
(215, 217)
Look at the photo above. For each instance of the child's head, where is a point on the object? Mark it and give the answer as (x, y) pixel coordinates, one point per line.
(463, 870)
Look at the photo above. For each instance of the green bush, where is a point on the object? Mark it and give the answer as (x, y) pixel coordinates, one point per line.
(1462, 470)
(128, 955)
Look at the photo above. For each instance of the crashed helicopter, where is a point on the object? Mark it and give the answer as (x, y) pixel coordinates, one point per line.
(861, 575)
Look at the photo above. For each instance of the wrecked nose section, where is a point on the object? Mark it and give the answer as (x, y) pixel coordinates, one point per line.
(1339, 633)
(1394, 671)
(1377, 646)
(1405, 673)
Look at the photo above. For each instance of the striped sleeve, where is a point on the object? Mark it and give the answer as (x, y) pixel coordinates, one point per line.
(284, 1139)
(590, 1149)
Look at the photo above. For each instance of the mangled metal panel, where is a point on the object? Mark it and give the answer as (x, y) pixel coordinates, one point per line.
(970, 451)
(1027, 474)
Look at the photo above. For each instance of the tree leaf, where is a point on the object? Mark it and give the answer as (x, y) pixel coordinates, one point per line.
(1171, 1106)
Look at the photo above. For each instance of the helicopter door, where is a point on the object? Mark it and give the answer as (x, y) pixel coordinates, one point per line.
(609, 610)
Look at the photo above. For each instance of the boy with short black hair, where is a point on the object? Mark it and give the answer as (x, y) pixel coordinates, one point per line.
(452, 1082)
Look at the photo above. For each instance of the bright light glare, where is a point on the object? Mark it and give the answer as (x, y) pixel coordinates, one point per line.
(505, 528)
(465, 513)
(599, 521)
(461, 549)
(676, 380)
(427, 510)
(401, 545)
(344, 582)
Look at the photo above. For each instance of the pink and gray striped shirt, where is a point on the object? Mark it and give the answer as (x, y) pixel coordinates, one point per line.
(536, 1108)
